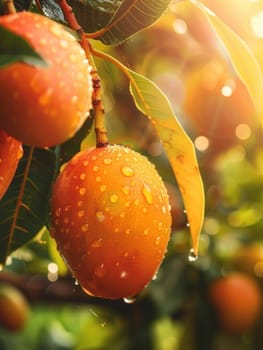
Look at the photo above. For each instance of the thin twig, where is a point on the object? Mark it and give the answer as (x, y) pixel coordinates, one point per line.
(100, 129)
(9, 7)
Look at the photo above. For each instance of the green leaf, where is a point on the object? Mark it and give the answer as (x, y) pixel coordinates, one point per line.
(131, 17)
(93, 15)
(20, 5)
(13, 48)
(242, 58)
(150, 100)
(24, 208)
(111, 21)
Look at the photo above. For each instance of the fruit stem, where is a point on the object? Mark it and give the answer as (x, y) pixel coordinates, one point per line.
(9, 6)
(97, 103)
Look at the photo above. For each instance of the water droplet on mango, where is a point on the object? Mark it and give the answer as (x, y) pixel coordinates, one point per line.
(103, 188)
(58, 212)
(97, 243)
(146, 232)
(100, 271)
(100, 216)
(147, 193)
(114, 198)
(82, 191)
(85, 227)
(107, 161)
(127, 171)
(158, 240)
(123, 274)
(125, 189)
(66, 220)
(136, 202)
(81, 213)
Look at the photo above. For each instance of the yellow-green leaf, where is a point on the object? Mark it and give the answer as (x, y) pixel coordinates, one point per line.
(150, 100)
(242, 58)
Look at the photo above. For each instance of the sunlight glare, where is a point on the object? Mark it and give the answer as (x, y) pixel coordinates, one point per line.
(256, 23)
(243, 131)
(226, 90)
(201, 143)
(180, 26)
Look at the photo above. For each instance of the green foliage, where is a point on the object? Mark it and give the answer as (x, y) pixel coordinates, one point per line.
(116, 21)
(13, 49)
(138, 14)
(153, 103)
(24, 208)
(94, 14)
